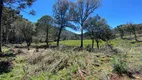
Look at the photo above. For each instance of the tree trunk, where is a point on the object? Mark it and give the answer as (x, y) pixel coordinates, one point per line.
(13, 37)
(47, 45)
(92, 43)
(28, 45)
(1, 7)
(130, 35)
(97, 44)
(81, 45)
(28, 41)
(3, 35)
(122, 35)
(135, 37)
(134, 32)
(6, 36)
(58, 40)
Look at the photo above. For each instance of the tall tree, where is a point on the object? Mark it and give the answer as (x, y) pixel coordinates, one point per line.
(44, 24)
(15, 4)
(81, 10)
(1, 8)
(9, 16)
(62, 16)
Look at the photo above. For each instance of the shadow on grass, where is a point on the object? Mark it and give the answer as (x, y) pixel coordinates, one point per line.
(41, 46)
(7, 55)
(5, 66)
(134, 42)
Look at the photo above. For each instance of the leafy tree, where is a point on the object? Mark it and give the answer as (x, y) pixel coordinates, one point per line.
(120, 29)
(132, 28)
(62, 16)
(94, 31)
(106, 33)
(14, 4)
(81, 10)
(27, 29)
(14, 35)
(9, 16)
(44, 24)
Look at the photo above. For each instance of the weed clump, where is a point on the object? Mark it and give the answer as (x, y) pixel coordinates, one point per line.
(119, 65)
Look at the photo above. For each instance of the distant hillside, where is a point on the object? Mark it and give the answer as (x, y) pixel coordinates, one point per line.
(68, 35)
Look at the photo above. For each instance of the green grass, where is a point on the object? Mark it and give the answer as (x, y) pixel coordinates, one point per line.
(114, 42)
(96, 65)
(5, 50)
(77, 42)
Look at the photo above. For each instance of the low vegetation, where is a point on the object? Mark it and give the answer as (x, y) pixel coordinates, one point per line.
(67, 64)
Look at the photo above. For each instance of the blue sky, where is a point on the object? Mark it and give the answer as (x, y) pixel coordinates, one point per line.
(116, 12)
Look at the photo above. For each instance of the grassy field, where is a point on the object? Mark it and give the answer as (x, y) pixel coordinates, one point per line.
(115, 42)
(77, 42)
(67, 64)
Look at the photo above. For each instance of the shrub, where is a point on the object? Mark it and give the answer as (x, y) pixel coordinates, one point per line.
(119, 65)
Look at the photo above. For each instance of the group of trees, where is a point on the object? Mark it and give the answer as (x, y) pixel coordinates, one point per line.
(16, 29)
(27, 29)
(98, 29)
(65, 13)
(68, 14)
(129, 29)
(16, 6)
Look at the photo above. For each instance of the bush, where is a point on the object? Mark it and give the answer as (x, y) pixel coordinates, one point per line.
(119, 65)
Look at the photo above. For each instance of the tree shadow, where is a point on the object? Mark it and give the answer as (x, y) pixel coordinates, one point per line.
(5, 66)
(41, 46)
(8, 55)
(134, 42)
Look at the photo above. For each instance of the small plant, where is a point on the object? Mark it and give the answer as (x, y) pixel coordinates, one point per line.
(119, 65)
(74, 69)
